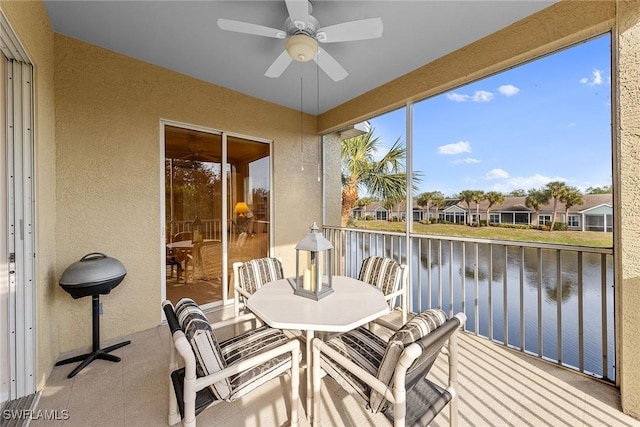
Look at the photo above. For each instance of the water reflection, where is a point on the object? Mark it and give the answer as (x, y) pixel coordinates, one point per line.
(513, 286)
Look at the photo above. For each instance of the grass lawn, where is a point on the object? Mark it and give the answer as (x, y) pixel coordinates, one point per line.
(580, 238)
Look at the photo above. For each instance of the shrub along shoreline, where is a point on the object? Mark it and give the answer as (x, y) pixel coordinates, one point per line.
(524, 234)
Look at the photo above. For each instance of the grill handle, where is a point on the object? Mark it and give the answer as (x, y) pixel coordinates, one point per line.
(93, 255)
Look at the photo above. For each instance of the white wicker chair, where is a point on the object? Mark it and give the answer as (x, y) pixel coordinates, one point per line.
(214, 372)
(390, 377)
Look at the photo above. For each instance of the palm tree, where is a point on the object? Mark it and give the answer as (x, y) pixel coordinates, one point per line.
(437, 200)
(537, 198)
(388, 205)
(363, 203)
(384, 178)
(467, 197)
(571, 196)
(556, 188)
(477, 196)
(605, 189)
(424, 201)
(494, 198)
(518, 192)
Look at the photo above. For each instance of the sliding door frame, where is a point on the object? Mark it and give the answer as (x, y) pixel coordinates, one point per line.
(224, 218)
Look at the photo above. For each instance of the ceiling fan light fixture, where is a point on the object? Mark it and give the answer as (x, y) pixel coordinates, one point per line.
(301, 47)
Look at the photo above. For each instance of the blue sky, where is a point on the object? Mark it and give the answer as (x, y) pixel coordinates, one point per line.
(547, 120)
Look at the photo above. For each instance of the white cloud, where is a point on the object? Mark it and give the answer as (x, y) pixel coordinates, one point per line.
(594, 80)
(456, 148)
(526, 182)
(508, 90)
(597, 77)
(458, 97)
(478, 96)
(466, 160)
(482, 96)
(496, 174)
(571, 125)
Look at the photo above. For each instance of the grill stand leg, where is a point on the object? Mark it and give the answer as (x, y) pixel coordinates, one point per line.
(97, 352)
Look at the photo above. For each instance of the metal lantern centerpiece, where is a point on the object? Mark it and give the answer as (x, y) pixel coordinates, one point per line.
(196, 231)
(313, 277)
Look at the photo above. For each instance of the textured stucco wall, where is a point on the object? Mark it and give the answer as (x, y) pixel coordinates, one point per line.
(108, 112)
(628, 195)
(30, 22)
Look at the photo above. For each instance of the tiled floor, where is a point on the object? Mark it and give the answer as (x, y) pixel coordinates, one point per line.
(498, 387)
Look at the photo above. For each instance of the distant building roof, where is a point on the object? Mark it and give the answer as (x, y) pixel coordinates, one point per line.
(514, 204)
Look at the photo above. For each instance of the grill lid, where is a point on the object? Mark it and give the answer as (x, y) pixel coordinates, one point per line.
(92, 268)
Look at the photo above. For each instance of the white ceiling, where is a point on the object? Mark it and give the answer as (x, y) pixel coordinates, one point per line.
(183, 36)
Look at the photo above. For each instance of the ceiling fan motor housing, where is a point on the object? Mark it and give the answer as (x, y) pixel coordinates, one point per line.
(301, 42)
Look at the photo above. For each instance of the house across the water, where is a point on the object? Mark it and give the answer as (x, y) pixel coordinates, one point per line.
(594, 214)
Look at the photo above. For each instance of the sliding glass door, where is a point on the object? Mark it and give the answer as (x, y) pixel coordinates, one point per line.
(215, 215)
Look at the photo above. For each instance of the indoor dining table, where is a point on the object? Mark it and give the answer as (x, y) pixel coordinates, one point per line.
(353, 303)
(183, 248)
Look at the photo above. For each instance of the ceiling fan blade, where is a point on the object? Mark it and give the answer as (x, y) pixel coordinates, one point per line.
(248, 28)
(362, 29)
(329, 65)
(298, 12)
(279, 65)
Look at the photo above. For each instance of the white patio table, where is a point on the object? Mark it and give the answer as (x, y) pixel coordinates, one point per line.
(353, 303)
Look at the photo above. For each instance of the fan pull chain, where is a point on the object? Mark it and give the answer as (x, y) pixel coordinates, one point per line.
(318, 115)
(301, 125)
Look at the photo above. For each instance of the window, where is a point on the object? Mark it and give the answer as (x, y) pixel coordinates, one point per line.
(574, 221)
(381, 215)
(494, 218)
(544, 219)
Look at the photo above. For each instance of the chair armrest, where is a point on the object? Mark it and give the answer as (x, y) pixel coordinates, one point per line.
(241, 291)
(394, 294)
(386, 324)
(292, 346)
(170, 315)
(320, 346)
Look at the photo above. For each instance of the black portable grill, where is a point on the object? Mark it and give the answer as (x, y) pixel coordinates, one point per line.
(94, 274)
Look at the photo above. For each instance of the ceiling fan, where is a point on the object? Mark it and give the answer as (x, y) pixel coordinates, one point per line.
(302, 33)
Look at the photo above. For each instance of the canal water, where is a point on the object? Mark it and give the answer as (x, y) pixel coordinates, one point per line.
(439, 265)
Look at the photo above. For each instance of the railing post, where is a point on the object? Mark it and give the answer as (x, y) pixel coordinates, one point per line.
(591, 345)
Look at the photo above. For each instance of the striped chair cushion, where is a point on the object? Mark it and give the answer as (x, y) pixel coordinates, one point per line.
(384, 273)
(365, 349)
(249, 344)
(209, 358)
(255, 273)
(412, 331)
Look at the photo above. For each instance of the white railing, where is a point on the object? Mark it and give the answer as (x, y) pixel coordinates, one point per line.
(211, 228)
(548, 300)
